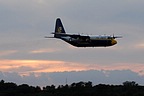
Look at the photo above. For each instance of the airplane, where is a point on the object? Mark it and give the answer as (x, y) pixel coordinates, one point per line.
(79, 40)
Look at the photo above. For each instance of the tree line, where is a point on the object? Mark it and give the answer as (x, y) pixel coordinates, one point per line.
(128, 88)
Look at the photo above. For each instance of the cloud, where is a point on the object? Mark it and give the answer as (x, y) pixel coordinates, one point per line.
(48, 50)
(58, 78)
(27, 66)
(140, 46)
(24, 67)
(7, 52)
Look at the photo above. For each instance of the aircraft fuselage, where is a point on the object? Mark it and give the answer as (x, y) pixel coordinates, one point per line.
(82, 40)
(88, 41)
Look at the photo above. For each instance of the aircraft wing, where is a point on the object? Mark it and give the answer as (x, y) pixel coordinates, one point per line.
(72, 35)
(81, 37)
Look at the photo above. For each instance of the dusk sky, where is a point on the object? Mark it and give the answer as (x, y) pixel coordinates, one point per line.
(27, 57)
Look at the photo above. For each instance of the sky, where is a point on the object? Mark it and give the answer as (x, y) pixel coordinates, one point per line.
(27, 57)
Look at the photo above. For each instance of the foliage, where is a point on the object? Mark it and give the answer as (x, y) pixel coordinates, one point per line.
(129, 88)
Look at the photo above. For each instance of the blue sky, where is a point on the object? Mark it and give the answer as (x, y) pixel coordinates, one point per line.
(24, 50)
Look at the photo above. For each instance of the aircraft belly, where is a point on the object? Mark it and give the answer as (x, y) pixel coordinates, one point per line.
(101, 43)
(92, 43)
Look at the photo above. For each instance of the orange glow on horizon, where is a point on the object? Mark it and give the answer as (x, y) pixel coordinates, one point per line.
(44, 51)
(38, 66)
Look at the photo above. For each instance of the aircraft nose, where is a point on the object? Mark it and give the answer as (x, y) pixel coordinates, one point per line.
(113, 42)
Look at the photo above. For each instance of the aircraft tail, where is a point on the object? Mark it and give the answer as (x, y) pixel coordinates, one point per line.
(59, 29)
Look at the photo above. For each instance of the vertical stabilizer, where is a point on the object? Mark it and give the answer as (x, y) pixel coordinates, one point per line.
(59, 27)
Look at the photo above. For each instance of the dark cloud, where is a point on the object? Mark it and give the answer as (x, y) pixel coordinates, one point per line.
(58, 78)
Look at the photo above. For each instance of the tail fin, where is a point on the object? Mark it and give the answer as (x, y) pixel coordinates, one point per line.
(59, 28)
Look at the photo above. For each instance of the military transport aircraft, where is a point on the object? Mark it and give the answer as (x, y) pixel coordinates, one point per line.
(79, 40)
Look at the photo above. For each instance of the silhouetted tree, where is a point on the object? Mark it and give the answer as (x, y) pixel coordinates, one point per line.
(38, 89)
(24, 88)
(129, 88)
(88, 84)
(49, 88)
(130, 83)
(2, 82)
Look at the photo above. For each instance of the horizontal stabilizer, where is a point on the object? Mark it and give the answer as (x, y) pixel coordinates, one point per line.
(48, 37)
